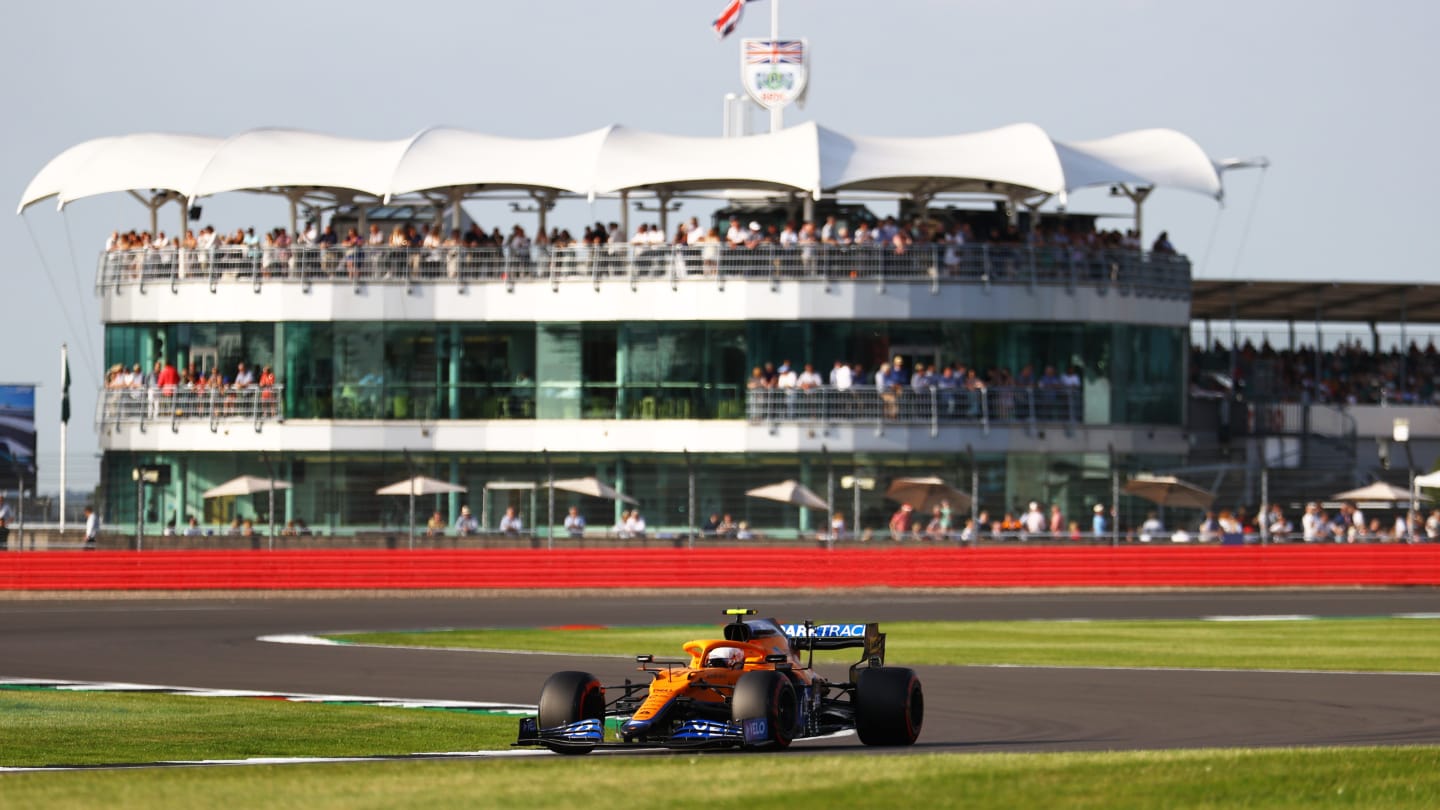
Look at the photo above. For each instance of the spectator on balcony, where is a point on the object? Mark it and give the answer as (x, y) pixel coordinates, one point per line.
(635, 525)
(787, 378)
(1152, 528)
(790, 237)
(840, 376)
(434, 527)
(902, 522)
(837, 527)
(735, 235)
(809, 379)
(728, 527)
(267, 391)
(936, 528)
(1162, 244)
(1310, 522)
(575, 523)
(510, 522)
(863, 236)
(1057, 521)
(1100, 524)
(712, 526)
(1278, 525)
(466, 524)
(1034, 523)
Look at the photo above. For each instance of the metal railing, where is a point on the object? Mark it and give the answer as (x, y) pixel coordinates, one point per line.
(144, 406)
(933, 406)
(1135, 271)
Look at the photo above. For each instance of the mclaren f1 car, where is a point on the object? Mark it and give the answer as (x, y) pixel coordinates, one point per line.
(755, 688)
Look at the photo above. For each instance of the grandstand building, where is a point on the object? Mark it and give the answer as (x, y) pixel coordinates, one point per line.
(497, 366)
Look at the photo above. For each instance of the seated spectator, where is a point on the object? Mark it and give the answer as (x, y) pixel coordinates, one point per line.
(466, 524)
(575, 523)
(511, 523)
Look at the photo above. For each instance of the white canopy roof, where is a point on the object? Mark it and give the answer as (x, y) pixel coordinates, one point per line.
(1019, 161)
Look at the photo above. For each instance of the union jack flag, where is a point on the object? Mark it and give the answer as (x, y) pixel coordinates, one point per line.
(774, 52)
(729, 18)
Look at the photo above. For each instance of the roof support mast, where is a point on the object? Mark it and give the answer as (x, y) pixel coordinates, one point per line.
(777, 113)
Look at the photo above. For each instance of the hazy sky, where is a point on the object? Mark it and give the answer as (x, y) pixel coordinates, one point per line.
(1339, 95)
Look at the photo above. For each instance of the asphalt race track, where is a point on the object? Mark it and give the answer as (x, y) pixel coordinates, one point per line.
(212, 644)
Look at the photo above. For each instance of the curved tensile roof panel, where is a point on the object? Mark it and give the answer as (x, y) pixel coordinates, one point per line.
(1020, 157)
(1018, 160)
(148, 160)
(290, 158)
(635, 159)
(1154, 157)
(445, 157)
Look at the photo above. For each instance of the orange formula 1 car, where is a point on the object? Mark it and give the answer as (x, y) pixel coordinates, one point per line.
(750, 689)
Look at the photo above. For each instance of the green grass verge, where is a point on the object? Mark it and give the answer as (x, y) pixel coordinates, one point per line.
(1391, 778)
(84, 728)
(1398, 645)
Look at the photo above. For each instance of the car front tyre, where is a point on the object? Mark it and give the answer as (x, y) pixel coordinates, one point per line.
(568, 697)
(769, 695)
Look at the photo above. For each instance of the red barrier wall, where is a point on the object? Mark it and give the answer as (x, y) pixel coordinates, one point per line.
(911, 567)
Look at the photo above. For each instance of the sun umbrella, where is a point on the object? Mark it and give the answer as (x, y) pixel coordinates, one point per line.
(245, 485)
(789, 492)
(419, 485)
(926, 493)
(1167, 490)
(593, 487)
(250, 485)
(1378, 491)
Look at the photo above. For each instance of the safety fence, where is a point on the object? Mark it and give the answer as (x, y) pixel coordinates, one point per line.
(983, 405)
(173, 404)
(727, 568)
(1158, 274)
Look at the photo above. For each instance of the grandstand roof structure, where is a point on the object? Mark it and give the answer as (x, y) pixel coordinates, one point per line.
(1020, 161)
(1310, 301)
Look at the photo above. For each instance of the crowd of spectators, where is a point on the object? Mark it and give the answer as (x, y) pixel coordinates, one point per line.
(430, 249)
(1346, 375)
(895, 391)
(166, 389)
(894, 376)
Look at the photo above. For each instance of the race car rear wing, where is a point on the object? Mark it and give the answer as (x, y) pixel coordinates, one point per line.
(867, 637)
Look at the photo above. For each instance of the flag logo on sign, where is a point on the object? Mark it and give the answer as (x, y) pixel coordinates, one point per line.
(774, 71)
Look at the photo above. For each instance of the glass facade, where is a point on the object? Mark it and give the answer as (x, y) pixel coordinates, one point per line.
(334, 492)
(643, 370)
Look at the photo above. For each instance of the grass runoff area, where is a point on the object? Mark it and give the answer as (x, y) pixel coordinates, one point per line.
(1392, 778)
(1376, 645)
(91, 728)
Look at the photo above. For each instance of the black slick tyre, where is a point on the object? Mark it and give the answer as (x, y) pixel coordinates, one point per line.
(769, 695)
(568, 697)
(889, 706)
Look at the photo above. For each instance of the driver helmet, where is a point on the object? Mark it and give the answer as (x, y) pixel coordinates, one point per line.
(726, 658)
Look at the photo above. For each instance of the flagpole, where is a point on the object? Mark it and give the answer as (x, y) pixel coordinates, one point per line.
(64, 430)
(777, 114)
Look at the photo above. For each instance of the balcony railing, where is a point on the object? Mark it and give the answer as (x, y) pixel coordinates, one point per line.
(991, 405)
(1131, 270)
(144, 406)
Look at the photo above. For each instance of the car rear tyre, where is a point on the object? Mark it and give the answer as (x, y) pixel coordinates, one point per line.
(568, 697)
(889, 706)
(769, 695)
